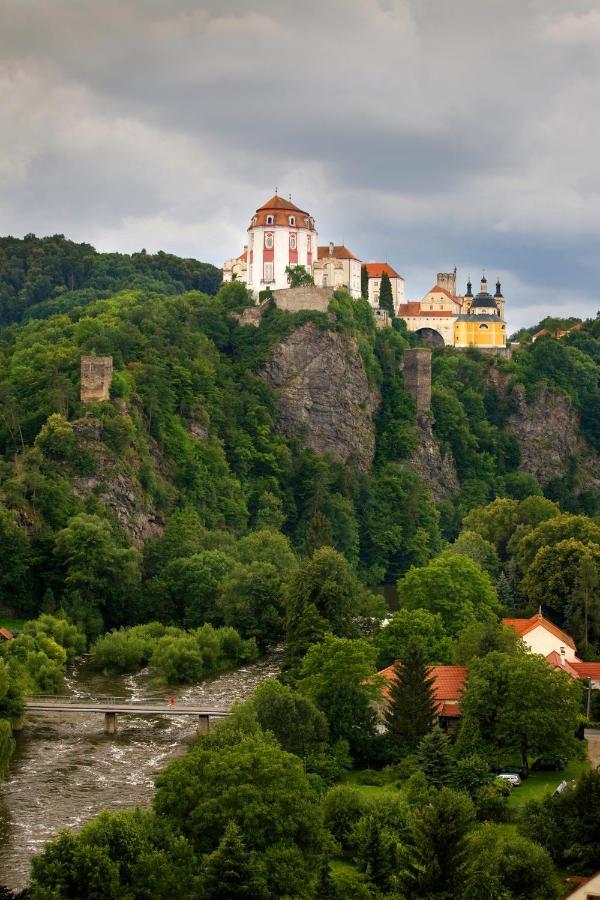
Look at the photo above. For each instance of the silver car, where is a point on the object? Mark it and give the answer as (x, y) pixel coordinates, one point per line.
(511, 777)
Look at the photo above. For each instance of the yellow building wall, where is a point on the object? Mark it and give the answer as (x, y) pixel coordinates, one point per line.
(470, 334)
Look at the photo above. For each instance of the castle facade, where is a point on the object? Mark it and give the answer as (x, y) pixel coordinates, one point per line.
(281, 235)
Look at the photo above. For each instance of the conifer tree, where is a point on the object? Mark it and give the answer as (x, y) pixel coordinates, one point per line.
(506, 595)
(386, 298)
(364, 283)
(435, 758)
(378, 857)
(411, 709)
(227, 871)
(325, 888)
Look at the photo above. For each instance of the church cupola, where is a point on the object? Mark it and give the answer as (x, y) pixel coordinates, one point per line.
(498, 289)
(469, 288)
(483, 287)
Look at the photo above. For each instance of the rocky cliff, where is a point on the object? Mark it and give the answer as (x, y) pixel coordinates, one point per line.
(548, 432)
(437, 471)
(324, 395)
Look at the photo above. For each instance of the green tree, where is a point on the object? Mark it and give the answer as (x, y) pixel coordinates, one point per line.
(377, 858)
(476, 548)
(296, 722)
(338, 676)
(434, 755)
(364, 282)
(518, 704)
(554, 580)
(326, 581)
(386, 298)
(453, 586)
(440, 831)
(227, 872)
(269, 512)
(98, 570)
(16, 560)
(250, 781)
(553, 531)
(251, 600)
(500, 865)
(191, 586)
(480, 638)
(410, 711)
(583, 611)
(297, 276)
(416, 626)
(343, 806)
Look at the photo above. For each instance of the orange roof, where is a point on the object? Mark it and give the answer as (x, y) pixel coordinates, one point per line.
(587, 669)
(412, 308)
(280, 209)
(376, 270)
(6, 634)
(243, 255)
(436, 289)
(524, 626)
(339, 252)
(447, 682)
(555, 661)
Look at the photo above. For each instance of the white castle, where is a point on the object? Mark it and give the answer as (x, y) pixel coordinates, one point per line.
(281, 235)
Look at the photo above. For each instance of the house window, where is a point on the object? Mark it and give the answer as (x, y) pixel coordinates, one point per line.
(270, 220)
(293, 242)
(483, 327)
(268, 272)
(308, 243)
(292, 220)
(269, 240)
(324, 279)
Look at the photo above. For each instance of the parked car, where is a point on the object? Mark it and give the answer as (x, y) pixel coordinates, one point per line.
(521, 771)
(510, 777)
(549, 764)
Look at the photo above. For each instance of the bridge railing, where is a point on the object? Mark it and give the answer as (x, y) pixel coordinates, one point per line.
(70, 700)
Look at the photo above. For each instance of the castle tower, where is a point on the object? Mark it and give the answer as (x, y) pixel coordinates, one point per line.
(447, 280)
(499, 299)
(279, 235)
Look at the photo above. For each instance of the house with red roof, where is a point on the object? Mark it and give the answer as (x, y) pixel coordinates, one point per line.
(5, 634)
(375, 270)
(337, 267)
(543, 636)
(584, 888)
(448, 684)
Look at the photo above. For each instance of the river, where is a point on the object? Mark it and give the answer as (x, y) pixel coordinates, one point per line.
(66, 770)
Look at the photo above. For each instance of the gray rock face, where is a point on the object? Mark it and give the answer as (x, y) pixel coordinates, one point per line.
(324, 396)
(438, 471)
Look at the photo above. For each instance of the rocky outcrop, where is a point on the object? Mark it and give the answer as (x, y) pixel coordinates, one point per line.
(115, 485)
(437, 471)
(323, 393)
(548, 432)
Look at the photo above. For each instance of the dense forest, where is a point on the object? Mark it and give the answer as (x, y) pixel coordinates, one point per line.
(179, 525)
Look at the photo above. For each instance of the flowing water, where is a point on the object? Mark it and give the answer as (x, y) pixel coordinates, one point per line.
(65, 769)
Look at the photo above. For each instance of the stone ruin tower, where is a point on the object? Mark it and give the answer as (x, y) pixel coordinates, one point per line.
(96, 377)
(417, 378)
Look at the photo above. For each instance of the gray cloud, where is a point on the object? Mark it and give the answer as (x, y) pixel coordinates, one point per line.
(421, 131)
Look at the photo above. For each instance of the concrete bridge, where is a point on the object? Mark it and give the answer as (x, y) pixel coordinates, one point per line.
(111, 706)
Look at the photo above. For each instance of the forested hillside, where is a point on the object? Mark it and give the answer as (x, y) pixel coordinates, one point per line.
(189, 454)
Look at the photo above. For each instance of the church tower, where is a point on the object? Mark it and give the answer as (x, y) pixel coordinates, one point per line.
(280, 234)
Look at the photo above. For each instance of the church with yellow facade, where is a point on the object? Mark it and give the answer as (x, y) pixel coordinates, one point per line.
(444, 318)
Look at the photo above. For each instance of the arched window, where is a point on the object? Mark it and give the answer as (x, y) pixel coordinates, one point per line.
(292, 220)
(483, 327)
(270, 220)
(293, 242)
(268, 240)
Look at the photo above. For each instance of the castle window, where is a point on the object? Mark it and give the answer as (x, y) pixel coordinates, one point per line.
(484, 327)
(292, 220)
(293, 242)
(270, 220)
(308, 243)
(268, 240)
(268, 272)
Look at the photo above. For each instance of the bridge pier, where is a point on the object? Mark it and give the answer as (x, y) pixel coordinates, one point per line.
(110, 723)
(203, 725)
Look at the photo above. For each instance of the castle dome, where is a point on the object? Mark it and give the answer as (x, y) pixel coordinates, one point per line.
(484, 300)
(278, 211)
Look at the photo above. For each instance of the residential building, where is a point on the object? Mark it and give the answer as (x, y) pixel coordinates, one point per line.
(448, 684)
(585, 888)
(542, 636)
(375, 270)
(5, 634)
(337, 267)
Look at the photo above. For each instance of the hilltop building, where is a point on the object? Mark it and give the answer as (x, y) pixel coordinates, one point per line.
(337, 267)
(280, 234)
(445, 318)
(375, 270)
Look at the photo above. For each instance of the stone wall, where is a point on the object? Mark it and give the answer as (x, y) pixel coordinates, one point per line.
(96, 377)
(304, 297)
(417, 377)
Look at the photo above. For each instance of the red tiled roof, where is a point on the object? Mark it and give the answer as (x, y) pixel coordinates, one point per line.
(524, 626)
(448, 683)
(6, 634)
(280, 210)
(376, 270)
(339, 252)
(436, 289)
(587, 669)
(555, 660)
(412, 308)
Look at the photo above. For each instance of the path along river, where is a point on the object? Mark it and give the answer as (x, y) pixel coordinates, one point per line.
(65, 769)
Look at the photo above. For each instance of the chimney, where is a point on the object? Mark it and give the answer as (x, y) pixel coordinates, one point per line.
(331, 248)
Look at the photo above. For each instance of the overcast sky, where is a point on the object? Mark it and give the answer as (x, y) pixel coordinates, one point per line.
(429, 133)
